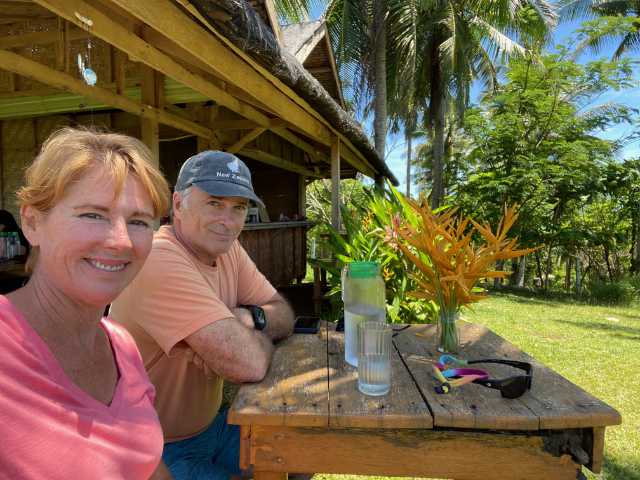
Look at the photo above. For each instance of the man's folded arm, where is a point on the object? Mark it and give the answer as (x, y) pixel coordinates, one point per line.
(232, 350)
(280, 318)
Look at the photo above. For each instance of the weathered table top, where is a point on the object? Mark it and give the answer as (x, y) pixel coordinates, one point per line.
(309, 384)
(310, 397)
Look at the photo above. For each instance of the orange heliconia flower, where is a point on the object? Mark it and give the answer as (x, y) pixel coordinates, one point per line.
(453, 264)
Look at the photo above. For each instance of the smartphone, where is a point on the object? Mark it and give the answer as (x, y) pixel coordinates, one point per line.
(306, 324)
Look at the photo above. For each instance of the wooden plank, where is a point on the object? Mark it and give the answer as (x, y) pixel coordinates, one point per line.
(292, 138)
(249, 137)
(49, 101)
(245, 446)
(258, 475)
(294, 391)
(41, 73)
(302, 196)
(167, 19)
(402, 407)
(112, 32)
(412, 453)
(39, 38)
(335, 184)
(149, 127)
(470, 406)
(552, 403)
(269, 159)
(597, 450)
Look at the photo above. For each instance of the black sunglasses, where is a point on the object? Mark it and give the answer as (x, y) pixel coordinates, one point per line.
(510, 387)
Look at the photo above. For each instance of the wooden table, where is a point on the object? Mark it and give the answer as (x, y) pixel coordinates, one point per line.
(307, 416)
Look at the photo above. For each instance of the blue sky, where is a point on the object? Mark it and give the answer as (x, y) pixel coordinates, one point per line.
(396, 148)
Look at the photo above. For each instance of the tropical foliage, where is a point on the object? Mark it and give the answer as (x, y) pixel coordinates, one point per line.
(364, 237)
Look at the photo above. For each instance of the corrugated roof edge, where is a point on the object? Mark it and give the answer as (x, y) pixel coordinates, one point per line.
(247, 31)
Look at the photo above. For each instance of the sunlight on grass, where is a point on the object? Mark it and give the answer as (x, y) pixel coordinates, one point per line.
(595, 347)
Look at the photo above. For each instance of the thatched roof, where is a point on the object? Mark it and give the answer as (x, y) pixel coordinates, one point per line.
(239, 22)
(309, 43)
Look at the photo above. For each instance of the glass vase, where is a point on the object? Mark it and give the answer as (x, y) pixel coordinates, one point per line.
(448, 332)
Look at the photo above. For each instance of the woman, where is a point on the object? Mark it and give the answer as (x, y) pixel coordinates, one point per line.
(76, 401)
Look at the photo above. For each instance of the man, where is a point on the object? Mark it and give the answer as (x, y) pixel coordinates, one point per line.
(200, 312)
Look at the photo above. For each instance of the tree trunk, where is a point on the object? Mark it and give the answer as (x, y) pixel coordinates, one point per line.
(547, 270)
(380, 72)
(497, 282)
(409, 137)
(436, 123)
(522, 266)
(567, 273)
(635, 245)
(578, 276)
(608, 262)
(539, 267)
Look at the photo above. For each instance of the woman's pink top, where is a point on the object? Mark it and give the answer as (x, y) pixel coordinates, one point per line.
(51, 429)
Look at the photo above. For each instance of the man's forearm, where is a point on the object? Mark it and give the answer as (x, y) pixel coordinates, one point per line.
(280, 318)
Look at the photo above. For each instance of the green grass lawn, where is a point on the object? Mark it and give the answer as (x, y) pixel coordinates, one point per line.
(596, 347)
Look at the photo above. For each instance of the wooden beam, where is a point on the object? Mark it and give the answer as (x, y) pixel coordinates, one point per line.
(149, 126)
(302, 196)
(249, 137)
(215, 56)
(292, 138)
(112, 32)
(269, 159)
(334, 69)
(314, 70)
(39, 38)
(47, 101)
(169, 20)
(118, 63)
(335, 184)
(41, 73)
(351, 153)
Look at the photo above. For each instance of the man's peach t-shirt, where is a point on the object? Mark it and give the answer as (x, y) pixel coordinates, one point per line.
(173, 296)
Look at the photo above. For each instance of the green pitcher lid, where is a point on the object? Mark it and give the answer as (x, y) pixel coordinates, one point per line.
(363, 269)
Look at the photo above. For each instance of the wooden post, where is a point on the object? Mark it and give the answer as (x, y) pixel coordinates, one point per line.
(335, 183)
(302, 195)
(150, 129)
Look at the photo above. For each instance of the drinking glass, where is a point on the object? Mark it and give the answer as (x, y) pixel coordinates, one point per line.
(374, 357)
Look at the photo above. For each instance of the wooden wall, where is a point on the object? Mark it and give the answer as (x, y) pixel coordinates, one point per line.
(20, 141)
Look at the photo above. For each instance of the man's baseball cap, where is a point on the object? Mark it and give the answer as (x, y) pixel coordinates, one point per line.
(217, 173)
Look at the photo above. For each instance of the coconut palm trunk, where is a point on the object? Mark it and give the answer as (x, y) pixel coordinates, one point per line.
(437, 120)
(380, 76)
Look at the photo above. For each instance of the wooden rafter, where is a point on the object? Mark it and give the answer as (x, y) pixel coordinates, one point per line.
(351, 153)
(169, 20)
(28, 68)
(270, 159)
(112, 32)
(39, 38)
(249, 137)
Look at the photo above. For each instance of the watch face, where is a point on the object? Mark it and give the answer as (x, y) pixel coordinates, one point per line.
(259, 318)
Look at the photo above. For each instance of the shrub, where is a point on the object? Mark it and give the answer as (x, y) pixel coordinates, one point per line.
(621, 292)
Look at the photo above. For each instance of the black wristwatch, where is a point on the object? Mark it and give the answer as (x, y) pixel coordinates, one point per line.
(259, 318)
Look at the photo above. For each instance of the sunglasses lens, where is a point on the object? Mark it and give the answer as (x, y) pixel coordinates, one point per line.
(514, 387)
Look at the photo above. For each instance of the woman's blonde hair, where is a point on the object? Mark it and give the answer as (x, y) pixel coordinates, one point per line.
(68, 154)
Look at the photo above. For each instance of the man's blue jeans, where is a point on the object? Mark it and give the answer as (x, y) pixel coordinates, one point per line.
(213, 454)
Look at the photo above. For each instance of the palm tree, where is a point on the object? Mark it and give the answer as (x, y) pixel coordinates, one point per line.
(358, 30)
(455, 42)
(629, 10)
